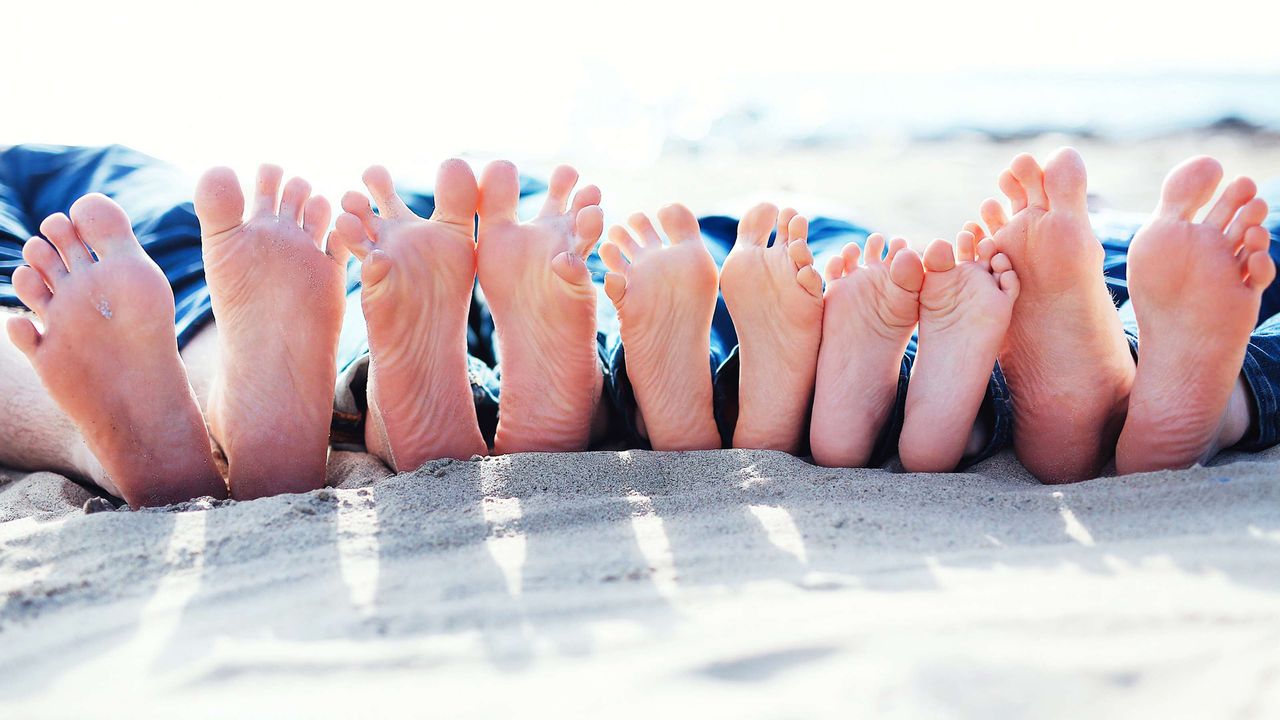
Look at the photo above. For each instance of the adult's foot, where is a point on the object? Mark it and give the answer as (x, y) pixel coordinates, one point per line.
(1065, 357)
(665, 296)
(965, 305)
(869, 314)
(1195, 288)
(539, 290)
(278, 303)
(108, 354)
(417, 278)
(775, 299)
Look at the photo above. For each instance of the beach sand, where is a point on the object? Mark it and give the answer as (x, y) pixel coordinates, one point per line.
(634, 584)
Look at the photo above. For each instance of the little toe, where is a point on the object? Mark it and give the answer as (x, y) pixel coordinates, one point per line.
(1012, 189)
(993, 215)
(586, 197)
(757, 225)
(1252, 214)
(103, 225)
(907, 272)
(873, 253)
(939, 256)
(499, 192)
(615, 286)
(1262, 270)
(267, 190)
(23, 335)
(457, 195)
(623, 240)
(645, 232)
(315, 218)
(810, 280)
(62, 233)
(219, 201)
(375, 268)
(383, 190)
(31, 290)
(571, 268)
(589, 226)
(1009, 284)
(679, 223)
(1065, 181)
(1189, 186)
(41, 256)
(1000, 263)
(1237, 193)
(563, 179)
(1029, 175)
(611, 254)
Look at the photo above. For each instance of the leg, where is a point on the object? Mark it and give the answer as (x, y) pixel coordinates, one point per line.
(665, 297)
(1196, 290)
(278, 298)
(870, 311)
(139, 419)
(417, 277)
(775, 298)
(544, 310)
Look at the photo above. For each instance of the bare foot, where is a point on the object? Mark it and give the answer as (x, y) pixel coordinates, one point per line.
(775, 299)
(109, 354)
(1065, 357)
(278, 303)
(417, 277)
(870, 312)
(665, 296)
(536, 280)
(1196, 288)
(965, 306)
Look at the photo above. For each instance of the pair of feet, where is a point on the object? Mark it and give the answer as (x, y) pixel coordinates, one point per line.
(1078, 396)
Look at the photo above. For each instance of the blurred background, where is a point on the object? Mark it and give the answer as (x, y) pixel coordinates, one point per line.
(899, 115)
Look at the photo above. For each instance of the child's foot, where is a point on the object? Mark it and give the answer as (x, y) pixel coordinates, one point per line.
(965, 306)
(278, 303)
(417, 277)
(870, 312)
(1196, 288)
(1065, 357)
(544, 310)
(665, 296)
(775, 299)
(109, 355)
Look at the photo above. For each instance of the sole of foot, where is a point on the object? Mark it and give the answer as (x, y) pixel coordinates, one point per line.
(278, 301)
(1065, 357)
(535, 278)
(138, 414)
(774, 296)
(1196, 289)
(417, 279)
(665, 296)
(869, 313)
(966, 303)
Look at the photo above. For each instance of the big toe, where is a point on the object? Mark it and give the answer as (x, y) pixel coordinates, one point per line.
(1189, 187)
(102, 224)
(1065, 181)
(757, 224)
(457, 194)
(679, 223)
(499, 192)
(939, 256)
(906, 271)
(219, 201)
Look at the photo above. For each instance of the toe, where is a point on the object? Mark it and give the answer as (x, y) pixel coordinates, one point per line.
(40, 255)
(810, 280)
(351, 234)
(315, 218)
(499, 192)
(966, 250)
(834, 269)
(1009, 284)
(589, 226)
(851, 252)
(62, 233)
(1188, 187)
(383, 191)
(757, 225)
(624, 241)
(611, 253)
(266, 191)
(571, 268)
(645, 232)
(1238, 192)
(975, 229)
(782, 235)
(896, 246)
(586, 197)
(103, 225)
(563, 179)
(986, 249)
(219, 202)
(376, 267)
(797, 229)
(1065, 181)
(615, 286)
(31, 290)
(457, 194)
(874, 251)
(1252, 214)
(1029, 175)
(23, 334)
(1000, 263)
(1012, 189)
(1262, 270)
(679, 223)
(939, 256)
(359, 206)
(295, 195)
(993, 215)
(907, 272)
(800, 253)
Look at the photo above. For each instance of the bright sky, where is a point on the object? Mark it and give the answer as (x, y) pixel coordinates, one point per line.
(327, 87)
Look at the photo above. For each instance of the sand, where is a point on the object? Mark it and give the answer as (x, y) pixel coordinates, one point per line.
(634, 583)
(641, 584)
